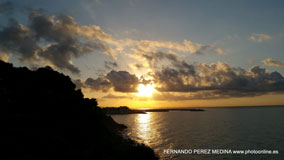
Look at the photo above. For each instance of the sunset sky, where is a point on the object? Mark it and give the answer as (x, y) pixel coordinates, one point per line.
(153, 53)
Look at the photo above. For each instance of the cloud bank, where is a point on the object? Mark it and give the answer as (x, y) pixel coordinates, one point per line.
(220, 81)
(56, 40)
(200, 81)
(51, 39)
(120, 81)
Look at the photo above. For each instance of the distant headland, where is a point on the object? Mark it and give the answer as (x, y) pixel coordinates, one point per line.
(127, 110)
(121, 110)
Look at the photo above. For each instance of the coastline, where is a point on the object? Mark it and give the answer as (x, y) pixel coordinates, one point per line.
(126, 110)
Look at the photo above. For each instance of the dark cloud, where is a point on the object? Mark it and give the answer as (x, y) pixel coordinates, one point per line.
(219, 81)
(79, 84)
(154, 58)
(202, 95)
(61, 32)
(17, 38)
(120, 81)
(145, 81)
(99, 84)
(110, 65)
(172, 80)
(123, 81)
(53, 39)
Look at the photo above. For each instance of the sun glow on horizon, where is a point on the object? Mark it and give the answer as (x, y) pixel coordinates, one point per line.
(146, 90)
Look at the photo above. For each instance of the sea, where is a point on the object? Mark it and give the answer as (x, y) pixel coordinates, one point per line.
(246, 133)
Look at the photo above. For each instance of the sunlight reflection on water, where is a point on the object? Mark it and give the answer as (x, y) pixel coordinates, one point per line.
(143, 126)
(148, 129)
(236, 128)
(145, 129)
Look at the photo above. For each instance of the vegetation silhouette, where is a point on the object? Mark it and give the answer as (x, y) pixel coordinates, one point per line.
(45, 117)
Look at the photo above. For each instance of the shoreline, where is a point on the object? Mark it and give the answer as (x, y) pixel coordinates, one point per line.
(125, 110)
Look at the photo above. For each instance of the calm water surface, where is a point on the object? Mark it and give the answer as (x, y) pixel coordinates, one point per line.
(253, 128)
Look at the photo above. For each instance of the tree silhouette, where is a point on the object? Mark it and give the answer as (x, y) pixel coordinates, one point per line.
(45, 117)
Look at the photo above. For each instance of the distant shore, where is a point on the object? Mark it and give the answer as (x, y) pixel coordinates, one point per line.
(126, 110)
(167, 110)
(121, 110)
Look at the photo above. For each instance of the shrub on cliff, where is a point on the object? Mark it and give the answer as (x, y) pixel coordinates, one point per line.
(45, 117)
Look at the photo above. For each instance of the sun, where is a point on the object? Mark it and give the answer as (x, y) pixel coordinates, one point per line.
(146, 90)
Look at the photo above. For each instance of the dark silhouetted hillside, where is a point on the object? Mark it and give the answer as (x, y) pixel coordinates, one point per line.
(43, 116)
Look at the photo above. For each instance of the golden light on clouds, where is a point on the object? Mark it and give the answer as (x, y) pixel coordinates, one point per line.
(146, 90)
